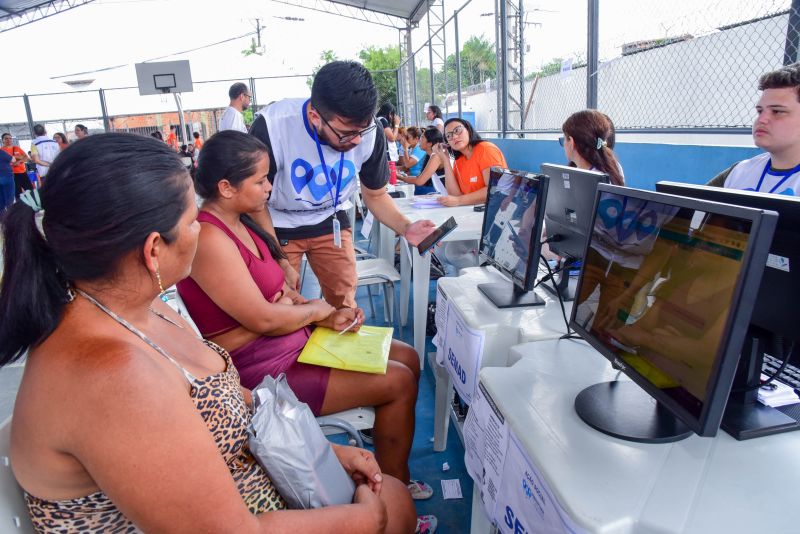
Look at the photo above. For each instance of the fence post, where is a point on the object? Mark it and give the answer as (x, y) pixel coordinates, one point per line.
(592, 54)
(792, 34)
(503, 71)
(253, 100)
(28, 114)
(458, 65)
(104, 110)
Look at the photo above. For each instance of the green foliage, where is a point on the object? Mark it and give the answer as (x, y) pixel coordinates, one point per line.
(325, 57)
(247, 115)
(383, 59)
(478, 63)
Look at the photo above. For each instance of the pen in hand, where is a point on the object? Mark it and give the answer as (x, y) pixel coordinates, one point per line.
(351, 325)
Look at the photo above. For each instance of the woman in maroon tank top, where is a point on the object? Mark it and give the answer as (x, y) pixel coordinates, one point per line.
(237, 296)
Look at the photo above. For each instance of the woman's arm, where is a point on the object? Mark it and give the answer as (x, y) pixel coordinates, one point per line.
(433, 165)
(450, 181)
(476, 197)
(233, 289)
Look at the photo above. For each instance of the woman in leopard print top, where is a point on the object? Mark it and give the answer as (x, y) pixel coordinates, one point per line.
(124, 420)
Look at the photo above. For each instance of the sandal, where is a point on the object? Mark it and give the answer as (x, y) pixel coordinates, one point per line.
(426, 524)
(420, 490)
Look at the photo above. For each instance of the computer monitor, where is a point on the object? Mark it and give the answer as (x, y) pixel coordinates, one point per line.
(568, 217)
(666, 293)
(774, 324)
(510, 237)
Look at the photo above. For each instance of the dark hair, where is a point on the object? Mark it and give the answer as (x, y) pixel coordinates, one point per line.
(82, 128)
(787, 76)
(6, 134)
(102, 198)
(436, 110)
(62, 136)
(433, 135)
(585, 128)
(474, 138)
(237, 90)
(38, 129)
(414, 132)
(232, 155)
(196, 135)
(388, 112)
(157, 135)
(172, 127)
(346, 89)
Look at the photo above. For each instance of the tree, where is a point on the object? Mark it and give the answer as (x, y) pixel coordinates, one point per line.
(325, 57)
(478, 63)
(376, 60)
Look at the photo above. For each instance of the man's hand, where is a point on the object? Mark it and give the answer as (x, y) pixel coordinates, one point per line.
(418, 231)
(449, 201)
(292, 276)
(342, 318)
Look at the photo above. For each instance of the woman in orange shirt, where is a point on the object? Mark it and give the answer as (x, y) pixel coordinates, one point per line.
(466, 179)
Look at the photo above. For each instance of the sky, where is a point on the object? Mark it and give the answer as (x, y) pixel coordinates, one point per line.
(113, 32)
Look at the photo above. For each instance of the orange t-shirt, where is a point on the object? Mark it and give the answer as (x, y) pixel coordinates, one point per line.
(469, 172)
(172, 140)
(198, 144)
(16, 151)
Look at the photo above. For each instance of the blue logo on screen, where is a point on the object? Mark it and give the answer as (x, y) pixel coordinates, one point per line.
(305, 175)
(627, 222)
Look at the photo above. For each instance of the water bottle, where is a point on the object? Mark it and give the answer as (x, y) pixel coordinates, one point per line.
(392, 172)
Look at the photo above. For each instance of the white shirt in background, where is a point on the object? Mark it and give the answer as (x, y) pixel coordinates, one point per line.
(232, 119)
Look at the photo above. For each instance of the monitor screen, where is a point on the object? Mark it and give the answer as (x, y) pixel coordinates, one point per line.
(666, 292)
(568, 213)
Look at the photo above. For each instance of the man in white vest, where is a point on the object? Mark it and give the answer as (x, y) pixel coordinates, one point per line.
(777, 131)
(319, 150)
(43, 150)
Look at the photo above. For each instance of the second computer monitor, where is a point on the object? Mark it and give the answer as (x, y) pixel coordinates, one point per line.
(512, 226)
(568, 214)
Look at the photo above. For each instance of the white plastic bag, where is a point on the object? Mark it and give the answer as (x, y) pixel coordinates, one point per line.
(289, 444)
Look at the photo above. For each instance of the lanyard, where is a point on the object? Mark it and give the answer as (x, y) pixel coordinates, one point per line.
(325, 170)
(785, 174)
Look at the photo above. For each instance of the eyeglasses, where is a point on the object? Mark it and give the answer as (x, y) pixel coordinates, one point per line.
(561, 140)
(248, 95)
(455, 131)
(344, 138)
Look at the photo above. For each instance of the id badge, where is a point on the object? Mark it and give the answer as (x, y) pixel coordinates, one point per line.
(337, 233)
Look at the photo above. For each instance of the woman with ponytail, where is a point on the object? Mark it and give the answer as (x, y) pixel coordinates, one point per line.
(589, 141)
(124, 420)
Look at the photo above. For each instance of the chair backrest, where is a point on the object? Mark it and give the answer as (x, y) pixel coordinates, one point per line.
(13, 512)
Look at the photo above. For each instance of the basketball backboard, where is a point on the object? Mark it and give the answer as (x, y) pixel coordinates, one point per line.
(163, 77)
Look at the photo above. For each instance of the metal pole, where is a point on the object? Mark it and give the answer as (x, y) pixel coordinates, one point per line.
(521, 52)
(430, 58)
(503, 56)
(458, 66)
(253, 101)
(792, 34)
(106, 122)
(29, 114)
(180, 117)
(592, 53)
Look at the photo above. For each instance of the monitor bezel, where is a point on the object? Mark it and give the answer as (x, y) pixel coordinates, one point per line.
(534, 247)
(555, 172)
(733, 334)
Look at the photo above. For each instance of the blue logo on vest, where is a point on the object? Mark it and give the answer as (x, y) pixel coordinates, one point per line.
(304, 175)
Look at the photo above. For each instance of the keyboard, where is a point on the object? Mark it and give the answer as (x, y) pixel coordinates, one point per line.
(790, 375)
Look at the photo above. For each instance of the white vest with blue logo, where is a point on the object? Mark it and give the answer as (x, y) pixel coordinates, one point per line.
(47, 150)
(747, 173)
(301, 196)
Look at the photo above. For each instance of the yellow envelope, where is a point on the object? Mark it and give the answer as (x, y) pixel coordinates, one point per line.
(366, 351)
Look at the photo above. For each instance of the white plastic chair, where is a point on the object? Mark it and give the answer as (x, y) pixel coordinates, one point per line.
(13, 512)
(370, 271)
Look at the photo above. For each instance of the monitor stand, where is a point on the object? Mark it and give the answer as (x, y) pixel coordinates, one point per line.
(624, 410)
(745, 417)
(508, 295)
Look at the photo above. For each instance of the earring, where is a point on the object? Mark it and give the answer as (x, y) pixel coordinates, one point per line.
(158, 279)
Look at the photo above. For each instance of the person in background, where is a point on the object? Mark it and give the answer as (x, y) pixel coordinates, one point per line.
(776, 130)
(198, 143)
(232, 118)
(390, 121)
(434, 116)
(172, 138)
(154, 436)
(157, 135)
(6, 181)
(431, 164)
(411, 155)
(43, 151)
(586, 144)
(81, 131)
(466, 179)
(18, 160)
(61, 140)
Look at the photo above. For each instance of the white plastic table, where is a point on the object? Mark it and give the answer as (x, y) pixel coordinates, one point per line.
(697, 485)
(503, 329)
